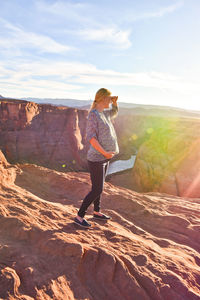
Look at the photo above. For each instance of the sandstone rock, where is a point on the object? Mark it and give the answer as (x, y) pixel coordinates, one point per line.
(149, 250)
(168, 185)
(7, 171)
(169, 161)
(188, 173)
(43, 134)
(54, 137)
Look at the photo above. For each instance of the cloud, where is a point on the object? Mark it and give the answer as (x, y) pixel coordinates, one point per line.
(112, 36)
(16, 38)
(61, 79)
(61, 7)
(90, 17)
(77, 12)
(88, 24)
(165, 10)
(155, 14)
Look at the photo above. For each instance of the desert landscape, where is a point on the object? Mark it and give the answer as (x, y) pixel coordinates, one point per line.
(149, 250)
(166, 141)
(100, 206)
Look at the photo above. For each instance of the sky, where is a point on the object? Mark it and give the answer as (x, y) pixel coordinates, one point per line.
(146, 51)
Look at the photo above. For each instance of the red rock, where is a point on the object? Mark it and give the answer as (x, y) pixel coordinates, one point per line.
(54, 137)
(43, 134)
(188, 174)
(149, 250)
(169, 162)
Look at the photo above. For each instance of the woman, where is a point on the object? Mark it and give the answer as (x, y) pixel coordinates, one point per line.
(103, 146)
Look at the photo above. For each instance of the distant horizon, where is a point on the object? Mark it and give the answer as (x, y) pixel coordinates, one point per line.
(89, 100)
(139, 104)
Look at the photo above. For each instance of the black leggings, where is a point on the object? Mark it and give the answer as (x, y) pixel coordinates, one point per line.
(98, 171)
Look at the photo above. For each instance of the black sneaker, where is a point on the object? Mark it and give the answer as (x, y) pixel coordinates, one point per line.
(84, 223)
(102, 217)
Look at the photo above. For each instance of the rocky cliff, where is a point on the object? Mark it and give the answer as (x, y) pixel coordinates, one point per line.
(43, 134)
(169, 161)
(149, 250)
(54, 136)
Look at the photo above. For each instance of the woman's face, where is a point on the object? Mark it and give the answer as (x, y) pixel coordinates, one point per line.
(107, 100)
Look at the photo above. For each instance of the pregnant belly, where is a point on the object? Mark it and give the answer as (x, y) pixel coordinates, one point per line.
(111, 146)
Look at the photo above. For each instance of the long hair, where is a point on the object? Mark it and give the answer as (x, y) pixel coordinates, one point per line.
(98, 97)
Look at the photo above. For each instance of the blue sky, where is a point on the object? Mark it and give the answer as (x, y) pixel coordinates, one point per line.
(144, 51)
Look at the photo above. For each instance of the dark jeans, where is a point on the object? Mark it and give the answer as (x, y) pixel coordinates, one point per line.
(98, 171)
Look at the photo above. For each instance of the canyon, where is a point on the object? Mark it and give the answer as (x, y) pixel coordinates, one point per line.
(149, 250)
(166, 140)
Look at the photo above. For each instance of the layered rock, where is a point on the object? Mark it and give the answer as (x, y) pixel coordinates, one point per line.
(7, 171)
(148, 251)
(43, 134)
(188, 173)
(54, 136)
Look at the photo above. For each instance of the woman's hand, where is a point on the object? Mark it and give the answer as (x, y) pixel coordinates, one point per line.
(109, 154)
(99, 148)
(114, 99)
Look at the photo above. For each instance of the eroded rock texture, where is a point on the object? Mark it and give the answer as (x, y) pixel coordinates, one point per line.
(148, 250)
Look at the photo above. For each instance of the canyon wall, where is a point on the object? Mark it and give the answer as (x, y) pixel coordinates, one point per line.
(169, 161)
(167, 143)
(168, 154)
(43, 134)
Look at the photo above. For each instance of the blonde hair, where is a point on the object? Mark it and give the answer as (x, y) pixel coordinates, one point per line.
(98, 97)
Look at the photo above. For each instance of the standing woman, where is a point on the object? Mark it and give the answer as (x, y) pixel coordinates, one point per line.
(103, 146)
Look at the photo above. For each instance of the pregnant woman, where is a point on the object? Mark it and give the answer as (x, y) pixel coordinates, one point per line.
(103, 146)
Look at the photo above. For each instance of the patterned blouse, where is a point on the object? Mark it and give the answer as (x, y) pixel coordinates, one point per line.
(99, 125)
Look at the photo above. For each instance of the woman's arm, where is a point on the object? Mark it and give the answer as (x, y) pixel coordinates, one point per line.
(97, 146)
(114, 111)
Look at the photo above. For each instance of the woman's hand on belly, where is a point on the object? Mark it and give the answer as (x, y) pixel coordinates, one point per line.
(109, 154)
(99, 148)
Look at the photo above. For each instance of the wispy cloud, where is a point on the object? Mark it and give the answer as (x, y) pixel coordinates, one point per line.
(17, 38)
(164, 10)
(61, 79)
(61, 7)
(158, 13)
(76, 12)
(88, 23)
(112, 36)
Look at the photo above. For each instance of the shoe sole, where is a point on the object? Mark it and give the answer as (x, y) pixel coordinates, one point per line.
(82, 225)
(101, 218)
